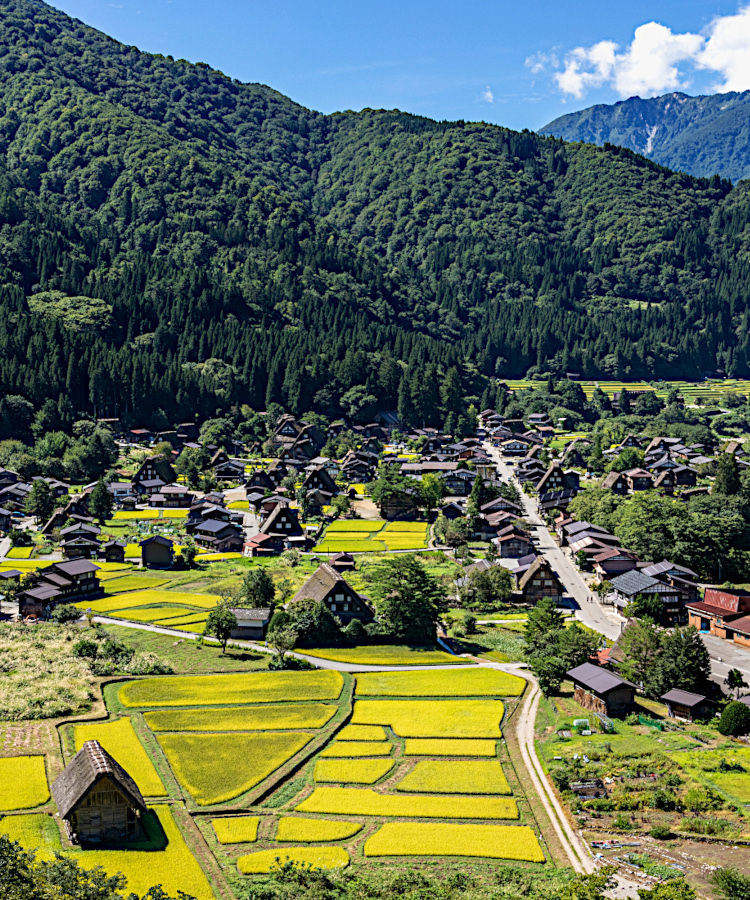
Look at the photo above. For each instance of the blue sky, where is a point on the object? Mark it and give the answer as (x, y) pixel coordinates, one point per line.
(518, 64)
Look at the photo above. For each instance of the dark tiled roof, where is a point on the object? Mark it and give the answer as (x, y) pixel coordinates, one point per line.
(632, 583)
(76, 567)
(251, 615)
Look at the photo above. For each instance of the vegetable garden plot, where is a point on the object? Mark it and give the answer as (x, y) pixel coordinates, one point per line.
(357, 748)
(309, 831)
(433, 718)
(473, 682)
(222, 690)
(454, 839)
(121, 742)
(282, 716)
(456, 776)
(317, 857)
(367, 802)
(352, 771)
(23, 782)
(449, 747)
(215, 768)
(236, 829)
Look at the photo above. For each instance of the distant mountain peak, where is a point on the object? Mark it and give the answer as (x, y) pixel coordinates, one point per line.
(704, 135)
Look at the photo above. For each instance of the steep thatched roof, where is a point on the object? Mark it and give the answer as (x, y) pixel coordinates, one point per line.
(91, 763)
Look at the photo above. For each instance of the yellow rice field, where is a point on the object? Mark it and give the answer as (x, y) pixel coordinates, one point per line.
(220, 690)
(236, 829)
(317, 857)
(362, 733)
(310, 831)
(120, 740)
(456, 776)
(352, 771)
(23, 782)
(449, 747)
(474, 682)
(367, 802)
(455, 839)
(357, 748)
(433, 718)
(215, 768)
(282, 716)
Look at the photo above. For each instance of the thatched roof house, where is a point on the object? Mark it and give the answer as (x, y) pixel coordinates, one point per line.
(97, 799)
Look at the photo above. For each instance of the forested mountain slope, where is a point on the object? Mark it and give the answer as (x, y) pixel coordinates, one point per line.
(231, 246)
(704, 135)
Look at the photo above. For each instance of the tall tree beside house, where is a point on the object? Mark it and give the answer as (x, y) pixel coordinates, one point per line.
(40, 501)
(430, 491)
(640, 645)
(408, 599)
(551, 648)
(683, 662)
(101, 502)
(257, 590)
(727, 481)
(221, 622)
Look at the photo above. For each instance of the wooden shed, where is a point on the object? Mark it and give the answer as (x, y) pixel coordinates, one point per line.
(157, 552)
(98, 801)
(686, 705)
(602, 691)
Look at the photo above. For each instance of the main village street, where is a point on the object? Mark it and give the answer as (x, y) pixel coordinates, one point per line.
(724, 654)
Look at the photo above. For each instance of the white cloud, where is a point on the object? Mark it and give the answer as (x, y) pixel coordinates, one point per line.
(727, 51)
(487, 96)
(657, 60)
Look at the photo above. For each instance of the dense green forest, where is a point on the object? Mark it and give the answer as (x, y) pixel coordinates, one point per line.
(701, 135)
(173, 243)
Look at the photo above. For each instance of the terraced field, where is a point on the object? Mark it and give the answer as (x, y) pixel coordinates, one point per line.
(317, 767)
(373, 535)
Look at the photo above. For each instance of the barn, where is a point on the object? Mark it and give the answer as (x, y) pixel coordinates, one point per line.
(98, 801)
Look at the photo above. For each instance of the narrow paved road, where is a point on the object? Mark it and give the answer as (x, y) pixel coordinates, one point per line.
(590, 612)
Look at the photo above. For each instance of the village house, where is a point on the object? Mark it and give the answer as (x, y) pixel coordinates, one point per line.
(539, 581)
(319, 479)
(719, 610)
(252, 624)
(218, 536)
(610, 563)
(62, 582)
(342, 562)
(639, 480)
(112, 551)
(616, 482)
(630, 585)
(98, 802)
(328, 586)
(157, 552)
(172, 496)
(283, 529)
(152, 470)
(601, 691)
(512, 543)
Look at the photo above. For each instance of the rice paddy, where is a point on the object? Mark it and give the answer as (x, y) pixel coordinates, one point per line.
(343, 749)
(352, 771)
(243, 718)
(120, 740)
(367, 802)
(474, 682)
(220, 690)
(362, 733)
(215, 768)
(449, 747)
(155, 597)
(23, 782)
(389, 655)
(236, 829)
(456, 776)
(430, 718)
(357, 536)
(309, 831)
(132, 583)
(36, 832)
(516, 842)
(317, 857)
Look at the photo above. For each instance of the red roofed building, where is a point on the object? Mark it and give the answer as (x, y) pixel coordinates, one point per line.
(719, 611)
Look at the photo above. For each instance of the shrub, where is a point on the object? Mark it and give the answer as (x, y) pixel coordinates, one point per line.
(735, 720)
(664, 800)
(147, 664)
(701, 798)
(86, 649)
(661, 832)
(65, 613)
